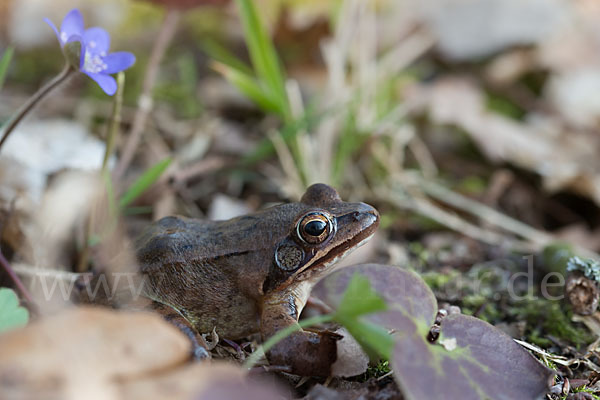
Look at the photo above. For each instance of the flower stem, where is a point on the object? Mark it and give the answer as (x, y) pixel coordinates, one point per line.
(167, 31)
(33, 100)
(282, 334)
(115, 121)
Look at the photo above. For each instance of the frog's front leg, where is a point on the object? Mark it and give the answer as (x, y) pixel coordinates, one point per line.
(306, 353)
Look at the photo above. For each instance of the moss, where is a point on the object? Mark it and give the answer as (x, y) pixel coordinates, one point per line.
(376, 371)
(419, 251)
(486, 310)
(437, 280)
(553, 319)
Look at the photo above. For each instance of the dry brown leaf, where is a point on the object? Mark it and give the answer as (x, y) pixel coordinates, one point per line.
(81, 352)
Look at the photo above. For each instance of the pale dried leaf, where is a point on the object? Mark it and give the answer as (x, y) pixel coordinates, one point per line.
(467, 29)
(81, 351)
(351, 358)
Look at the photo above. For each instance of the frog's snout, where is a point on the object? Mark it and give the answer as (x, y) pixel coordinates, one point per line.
(367, 216)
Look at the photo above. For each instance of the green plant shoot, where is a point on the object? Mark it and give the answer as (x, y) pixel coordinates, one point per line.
(265, 84)
(140, 185)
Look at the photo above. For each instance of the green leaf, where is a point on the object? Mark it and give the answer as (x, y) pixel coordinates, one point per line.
(144, 182)
(11, 314)
(4, 63)
(470, 360)
(359, 298)
(374, 338)
(263, 55)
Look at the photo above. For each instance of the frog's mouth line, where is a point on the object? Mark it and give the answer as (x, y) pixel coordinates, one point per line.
(334, 255)
(343, 255)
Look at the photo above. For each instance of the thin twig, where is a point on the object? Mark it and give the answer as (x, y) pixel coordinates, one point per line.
(34, 100)
(17, 281)
(487, 214)
(24, 270)
(426, 208)
(484, 212)
(145, 105)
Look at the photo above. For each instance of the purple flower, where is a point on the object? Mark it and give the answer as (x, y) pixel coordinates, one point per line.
(95, 61)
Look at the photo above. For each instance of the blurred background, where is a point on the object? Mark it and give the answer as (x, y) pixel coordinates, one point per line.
(472, 125)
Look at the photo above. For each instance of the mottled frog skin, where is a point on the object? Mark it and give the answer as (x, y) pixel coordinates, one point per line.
(254, 273)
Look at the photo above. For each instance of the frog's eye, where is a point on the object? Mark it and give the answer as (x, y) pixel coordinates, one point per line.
(314, 228)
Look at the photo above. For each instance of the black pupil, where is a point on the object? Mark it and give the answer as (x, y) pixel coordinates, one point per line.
(315, 227)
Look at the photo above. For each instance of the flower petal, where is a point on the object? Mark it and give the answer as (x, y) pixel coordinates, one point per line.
(118, 61)
(97, 40)
(71, 25)
(106, 82)
(54, 29)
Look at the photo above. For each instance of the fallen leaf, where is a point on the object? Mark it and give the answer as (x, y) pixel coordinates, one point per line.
(482, 363)
(351, 358)
(81, 352)
(470, 360)
(403, 291)
(471, 29)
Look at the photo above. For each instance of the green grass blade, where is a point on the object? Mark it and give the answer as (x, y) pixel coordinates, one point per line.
(263, 55)
(250, 88)
(288, 132)
(138, 187)
(4, 63)
(224, 56)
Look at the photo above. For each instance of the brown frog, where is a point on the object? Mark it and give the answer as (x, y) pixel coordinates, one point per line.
(254, 273)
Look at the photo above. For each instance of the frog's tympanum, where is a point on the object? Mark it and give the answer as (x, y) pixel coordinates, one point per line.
(254, 273)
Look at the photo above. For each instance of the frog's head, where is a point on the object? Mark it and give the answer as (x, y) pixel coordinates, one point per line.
(324, 230)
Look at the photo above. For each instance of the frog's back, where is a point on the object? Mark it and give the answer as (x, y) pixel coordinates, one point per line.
(211, 272)
(182, 240)
(171, 240)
